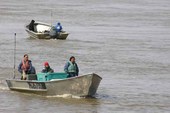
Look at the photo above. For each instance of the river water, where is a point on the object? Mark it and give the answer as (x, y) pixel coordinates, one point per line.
(126, 42)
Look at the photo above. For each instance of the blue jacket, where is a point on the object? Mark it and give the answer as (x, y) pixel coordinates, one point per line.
(58, 28)
(31, 69)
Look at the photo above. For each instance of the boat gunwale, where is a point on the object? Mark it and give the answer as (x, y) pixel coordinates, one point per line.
(18, 80)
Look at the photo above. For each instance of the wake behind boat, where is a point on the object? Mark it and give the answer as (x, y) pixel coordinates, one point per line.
(43, 31)
(57, 84)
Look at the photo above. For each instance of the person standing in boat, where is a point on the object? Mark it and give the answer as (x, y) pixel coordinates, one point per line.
(71, 67)
(31, 25)
(25, 67)
(47, 68)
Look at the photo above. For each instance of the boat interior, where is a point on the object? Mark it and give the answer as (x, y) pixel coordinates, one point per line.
(40, 28)
(47, 76)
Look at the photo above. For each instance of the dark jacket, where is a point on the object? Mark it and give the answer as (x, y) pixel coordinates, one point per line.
(47, 70)
(31, 25)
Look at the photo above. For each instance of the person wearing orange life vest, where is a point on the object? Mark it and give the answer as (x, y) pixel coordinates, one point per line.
(26, 66)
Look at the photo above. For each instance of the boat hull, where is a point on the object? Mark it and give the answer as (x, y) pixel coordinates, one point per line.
(82, 86)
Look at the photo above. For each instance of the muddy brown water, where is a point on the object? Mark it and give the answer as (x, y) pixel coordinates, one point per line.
(127, 43)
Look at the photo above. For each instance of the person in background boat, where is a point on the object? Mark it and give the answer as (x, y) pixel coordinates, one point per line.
(55, 30)
(25, 67)
(47, 68)
(58, 27)
(31, 25)
(71, 67)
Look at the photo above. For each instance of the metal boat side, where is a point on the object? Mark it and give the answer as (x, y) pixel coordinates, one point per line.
(85, 85)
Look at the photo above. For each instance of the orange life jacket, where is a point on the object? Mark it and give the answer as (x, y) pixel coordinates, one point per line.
(25, 65)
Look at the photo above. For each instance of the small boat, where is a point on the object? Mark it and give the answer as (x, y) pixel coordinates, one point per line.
(57, 84)
(42, 31)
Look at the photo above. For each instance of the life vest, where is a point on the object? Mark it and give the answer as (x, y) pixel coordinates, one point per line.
(25, 65)
(72, 67)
